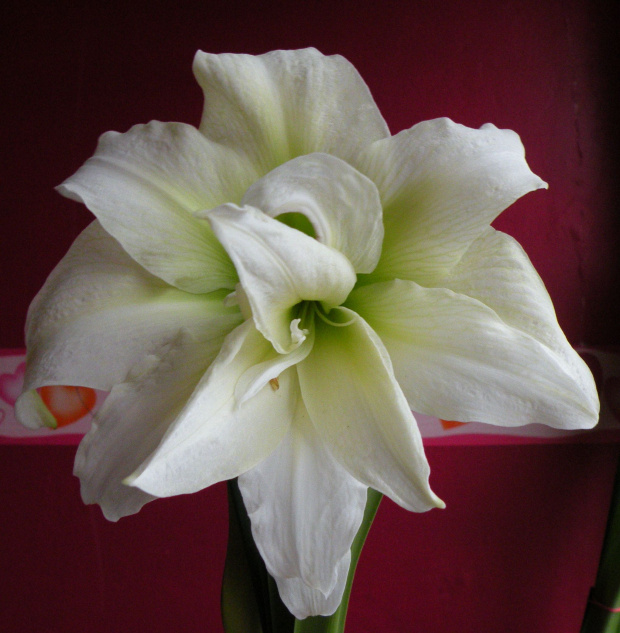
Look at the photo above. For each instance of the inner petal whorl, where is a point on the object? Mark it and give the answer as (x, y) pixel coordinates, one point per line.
(338, 205)
(279, 267)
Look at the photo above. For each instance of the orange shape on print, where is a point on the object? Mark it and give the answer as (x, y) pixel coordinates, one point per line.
(450, 424)
(68, 404)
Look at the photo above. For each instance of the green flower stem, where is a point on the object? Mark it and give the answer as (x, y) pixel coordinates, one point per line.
(605, 595)
(335, 623)
(250, 600)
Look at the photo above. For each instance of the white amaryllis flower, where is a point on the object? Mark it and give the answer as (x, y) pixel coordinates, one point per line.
(269, 295)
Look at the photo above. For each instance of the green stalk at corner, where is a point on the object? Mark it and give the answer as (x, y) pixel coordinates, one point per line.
(603, 610)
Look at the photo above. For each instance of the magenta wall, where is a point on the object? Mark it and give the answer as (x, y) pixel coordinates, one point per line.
(516, 550)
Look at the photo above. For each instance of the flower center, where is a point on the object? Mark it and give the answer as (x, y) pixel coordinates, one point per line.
(298, 240)
(307, 310)
(297, 221)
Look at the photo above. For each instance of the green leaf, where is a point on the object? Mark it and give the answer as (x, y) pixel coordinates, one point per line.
(240, 610)
(250, 602)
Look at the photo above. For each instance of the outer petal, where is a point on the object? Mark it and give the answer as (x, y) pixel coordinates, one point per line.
(441, 185)
(305, 509)
(497, 271)
(278, 268)
(303, 601)
(218, 435)
(143, 187)
(133, 420)
(360, 412)
(456, 359)
(284, 104)
(342, 204)
(99, 304)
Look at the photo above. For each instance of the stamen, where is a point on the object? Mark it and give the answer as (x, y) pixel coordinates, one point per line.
(274, 384)
(324, 318)
(304, 313)
(298, 336)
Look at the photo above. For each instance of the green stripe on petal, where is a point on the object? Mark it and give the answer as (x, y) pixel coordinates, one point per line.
(360, 412)
(496, 271)
(144, 186)
(457, 360)
(98, 303)
(283, 104)
(441, 185)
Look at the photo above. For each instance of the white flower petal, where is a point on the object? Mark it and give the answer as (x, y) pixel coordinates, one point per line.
(255, 378)
(217, 436)
(133, 420)
(496, 271)
(32, 412)
(342, 204)
(286, 103)
(99, 313)
(143, 187)
(441, 185)
(304, 506)
(278, 268)
(304, 601)
(456, 359)
(358, 409)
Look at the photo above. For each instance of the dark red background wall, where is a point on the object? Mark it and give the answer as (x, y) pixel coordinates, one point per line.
(517, 548)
